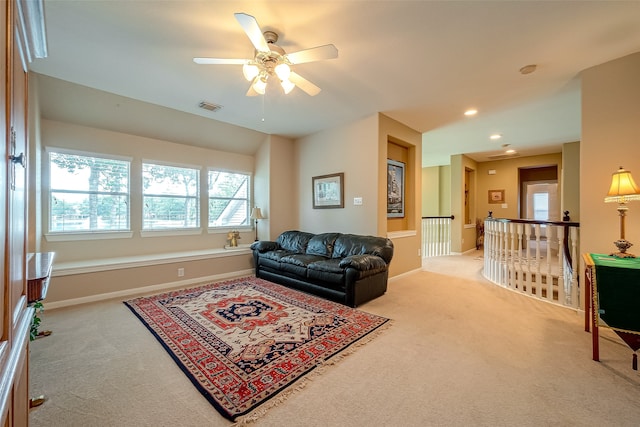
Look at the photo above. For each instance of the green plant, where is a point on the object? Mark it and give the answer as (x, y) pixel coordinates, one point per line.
(35, 324)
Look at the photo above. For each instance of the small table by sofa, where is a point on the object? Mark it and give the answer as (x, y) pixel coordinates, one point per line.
(612, 299)
(39, 266)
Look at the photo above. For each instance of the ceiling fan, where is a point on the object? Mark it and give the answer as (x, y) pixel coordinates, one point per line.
(271, 61)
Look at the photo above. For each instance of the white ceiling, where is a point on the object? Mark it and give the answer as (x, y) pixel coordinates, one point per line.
(422, 63)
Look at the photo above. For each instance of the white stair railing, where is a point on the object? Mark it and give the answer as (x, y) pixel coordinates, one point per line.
(537, 258)
(436, 235)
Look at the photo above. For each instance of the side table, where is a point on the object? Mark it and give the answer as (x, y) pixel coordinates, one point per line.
(39, 266)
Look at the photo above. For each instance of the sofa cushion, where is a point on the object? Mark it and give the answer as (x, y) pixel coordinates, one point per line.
(327, 271)
(351, 244)
(322, 244)
(364, 262)
(276, 255)
(303, 260)
(329, 265)
(295, 241)
(264, 245)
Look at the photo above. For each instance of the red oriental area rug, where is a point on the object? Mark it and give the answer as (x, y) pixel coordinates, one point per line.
(244, 341)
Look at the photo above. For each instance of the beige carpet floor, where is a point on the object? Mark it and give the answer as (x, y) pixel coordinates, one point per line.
(460, 352)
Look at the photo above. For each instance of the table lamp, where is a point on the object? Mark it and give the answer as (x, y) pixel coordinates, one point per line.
(256, 214)
(623, 190)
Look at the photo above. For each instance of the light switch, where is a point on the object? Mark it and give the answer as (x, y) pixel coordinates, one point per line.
(504, 206)
(357, 201)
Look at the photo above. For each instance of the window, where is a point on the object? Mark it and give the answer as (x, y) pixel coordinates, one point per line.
(228, 199)
(170, 197)
(87, 193)
(541, 206)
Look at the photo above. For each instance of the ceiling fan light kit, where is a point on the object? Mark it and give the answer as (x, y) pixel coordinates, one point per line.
(270, 60)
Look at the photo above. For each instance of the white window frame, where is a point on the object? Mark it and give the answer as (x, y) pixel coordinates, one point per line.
(59, 236)
(212, 229)
(170, 231)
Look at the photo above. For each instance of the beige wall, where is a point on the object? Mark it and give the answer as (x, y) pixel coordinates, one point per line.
(431, 191)
(275, 187)
(570, 189)
(463, 236)
(445, 190)
(65, 135)
(506, 178)
(407, 243)
(120, 282)
(350, 149)
(610, 139)
(354, 149)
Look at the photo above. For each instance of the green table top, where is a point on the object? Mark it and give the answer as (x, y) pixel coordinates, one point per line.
(618, 291)
(610, 261)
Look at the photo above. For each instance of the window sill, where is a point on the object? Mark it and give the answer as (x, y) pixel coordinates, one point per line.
(171, 232)
(91, 235)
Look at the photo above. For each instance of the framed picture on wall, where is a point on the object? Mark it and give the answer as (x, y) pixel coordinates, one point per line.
(496, 196)
(395, 189)
(328, 191)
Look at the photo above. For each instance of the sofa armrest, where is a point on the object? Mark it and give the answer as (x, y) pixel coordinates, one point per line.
(264, 246)
(363, 262)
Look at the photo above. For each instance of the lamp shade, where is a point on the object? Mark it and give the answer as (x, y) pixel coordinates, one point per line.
(623, 188)
(250, 71)
(287, 86)
(260, 85)
(256, 213)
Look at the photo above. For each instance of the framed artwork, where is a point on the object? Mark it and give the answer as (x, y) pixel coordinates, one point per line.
(328, 191)
(395, 189)
(496, 196)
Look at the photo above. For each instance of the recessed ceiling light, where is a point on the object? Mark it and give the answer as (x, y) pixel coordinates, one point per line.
(510, 151)
(495, 136)
(471, 112)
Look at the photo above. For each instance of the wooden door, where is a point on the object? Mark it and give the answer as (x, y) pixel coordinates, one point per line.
(16, 316)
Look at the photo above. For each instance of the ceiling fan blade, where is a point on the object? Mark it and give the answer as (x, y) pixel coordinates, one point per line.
(220, 61)
(251, 27)
(328, 51)
(304, 84)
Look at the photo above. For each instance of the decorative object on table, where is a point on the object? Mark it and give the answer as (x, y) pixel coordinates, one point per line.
(496, 196)
(395, 189)
(244, 341)
(232, 238)
(328, 191)
(623, 190)
(256, 214)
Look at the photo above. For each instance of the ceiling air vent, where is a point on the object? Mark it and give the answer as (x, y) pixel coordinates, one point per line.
(209, 106)
(502, 156)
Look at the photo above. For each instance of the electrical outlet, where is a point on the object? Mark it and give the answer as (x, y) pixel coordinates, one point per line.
(180, 272)
(357, 201)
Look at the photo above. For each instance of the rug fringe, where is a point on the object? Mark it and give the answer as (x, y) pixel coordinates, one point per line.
(301, 383)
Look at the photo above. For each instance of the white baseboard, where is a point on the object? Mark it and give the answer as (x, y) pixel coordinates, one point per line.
(406, 273)
(148, 289)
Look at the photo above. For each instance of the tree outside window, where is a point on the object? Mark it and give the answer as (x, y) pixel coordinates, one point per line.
(88, 193)
(170, 197)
